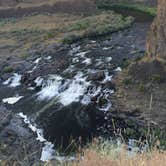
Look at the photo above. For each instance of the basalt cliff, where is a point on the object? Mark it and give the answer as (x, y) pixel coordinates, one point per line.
(156, 41)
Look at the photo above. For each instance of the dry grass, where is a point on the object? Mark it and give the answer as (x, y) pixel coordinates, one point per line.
(108, 154)
(93, 158)
(37, 3)
(32, 3)
(39, 21)
(7, 42)
(29, 3)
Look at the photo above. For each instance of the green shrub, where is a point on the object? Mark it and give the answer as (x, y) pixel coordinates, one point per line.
(125, 63)
(138, 58)
(71, 39)
(156, 78)
(127, 81)
(50, 35)
(98, 25)
(151, 11)
(141, 87)
(7, 69)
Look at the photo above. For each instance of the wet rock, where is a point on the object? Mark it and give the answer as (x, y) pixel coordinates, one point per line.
(18, 128)
(101, 101)
(5, 116)
(18, 143)
(25, 78)
(97, 76)
(102, 66)
(109, 85)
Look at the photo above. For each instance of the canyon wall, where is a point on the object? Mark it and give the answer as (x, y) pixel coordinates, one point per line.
(156, 40)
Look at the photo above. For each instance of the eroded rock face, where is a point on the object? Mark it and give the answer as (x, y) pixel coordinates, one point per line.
(156, 41)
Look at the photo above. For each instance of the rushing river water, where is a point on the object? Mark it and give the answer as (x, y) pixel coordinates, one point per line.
(64, 92)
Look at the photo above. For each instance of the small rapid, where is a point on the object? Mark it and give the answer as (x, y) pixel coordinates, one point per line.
(65, 92)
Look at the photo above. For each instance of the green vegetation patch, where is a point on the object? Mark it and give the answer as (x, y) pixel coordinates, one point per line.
(151, 11)
(7, 69)
(97, 25)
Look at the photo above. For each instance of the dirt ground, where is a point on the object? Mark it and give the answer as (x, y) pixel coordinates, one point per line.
(145, 97)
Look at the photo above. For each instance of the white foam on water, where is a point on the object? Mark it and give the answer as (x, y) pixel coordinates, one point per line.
(48, 152)
(13, 81)
(76, 88)
(37, 60)
(108, 59)
(35, 67)
(81, 54)
(86, 100)
(7, 81)
(31, 88)
(91, 93)
(87, 61)
(93, 41)
(12, 100)
(74, 50)
(39, 81)
(118, 69)
(106, 107)
(107, 77)
(75, 60)
(106, 48)
(48, 58)
(67, 92)
(50, 87)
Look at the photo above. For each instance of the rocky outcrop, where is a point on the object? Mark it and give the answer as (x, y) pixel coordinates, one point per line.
(156, 41)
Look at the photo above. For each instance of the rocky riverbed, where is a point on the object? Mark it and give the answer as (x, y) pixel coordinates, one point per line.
(62, 92)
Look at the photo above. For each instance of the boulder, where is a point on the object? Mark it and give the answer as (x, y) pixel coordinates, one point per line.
(97, 76)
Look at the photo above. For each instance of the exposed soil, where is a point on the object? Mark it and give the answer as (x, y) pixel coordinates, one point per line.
(148, 71)
(142, 89)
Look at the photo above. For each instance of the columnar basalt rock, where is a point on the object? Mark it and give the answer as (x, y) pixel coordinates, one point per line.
(156, 40)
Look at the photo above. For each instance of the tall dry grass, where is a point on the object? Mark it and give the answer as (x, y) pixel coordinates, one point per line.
(111, 154)
(93, 158)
